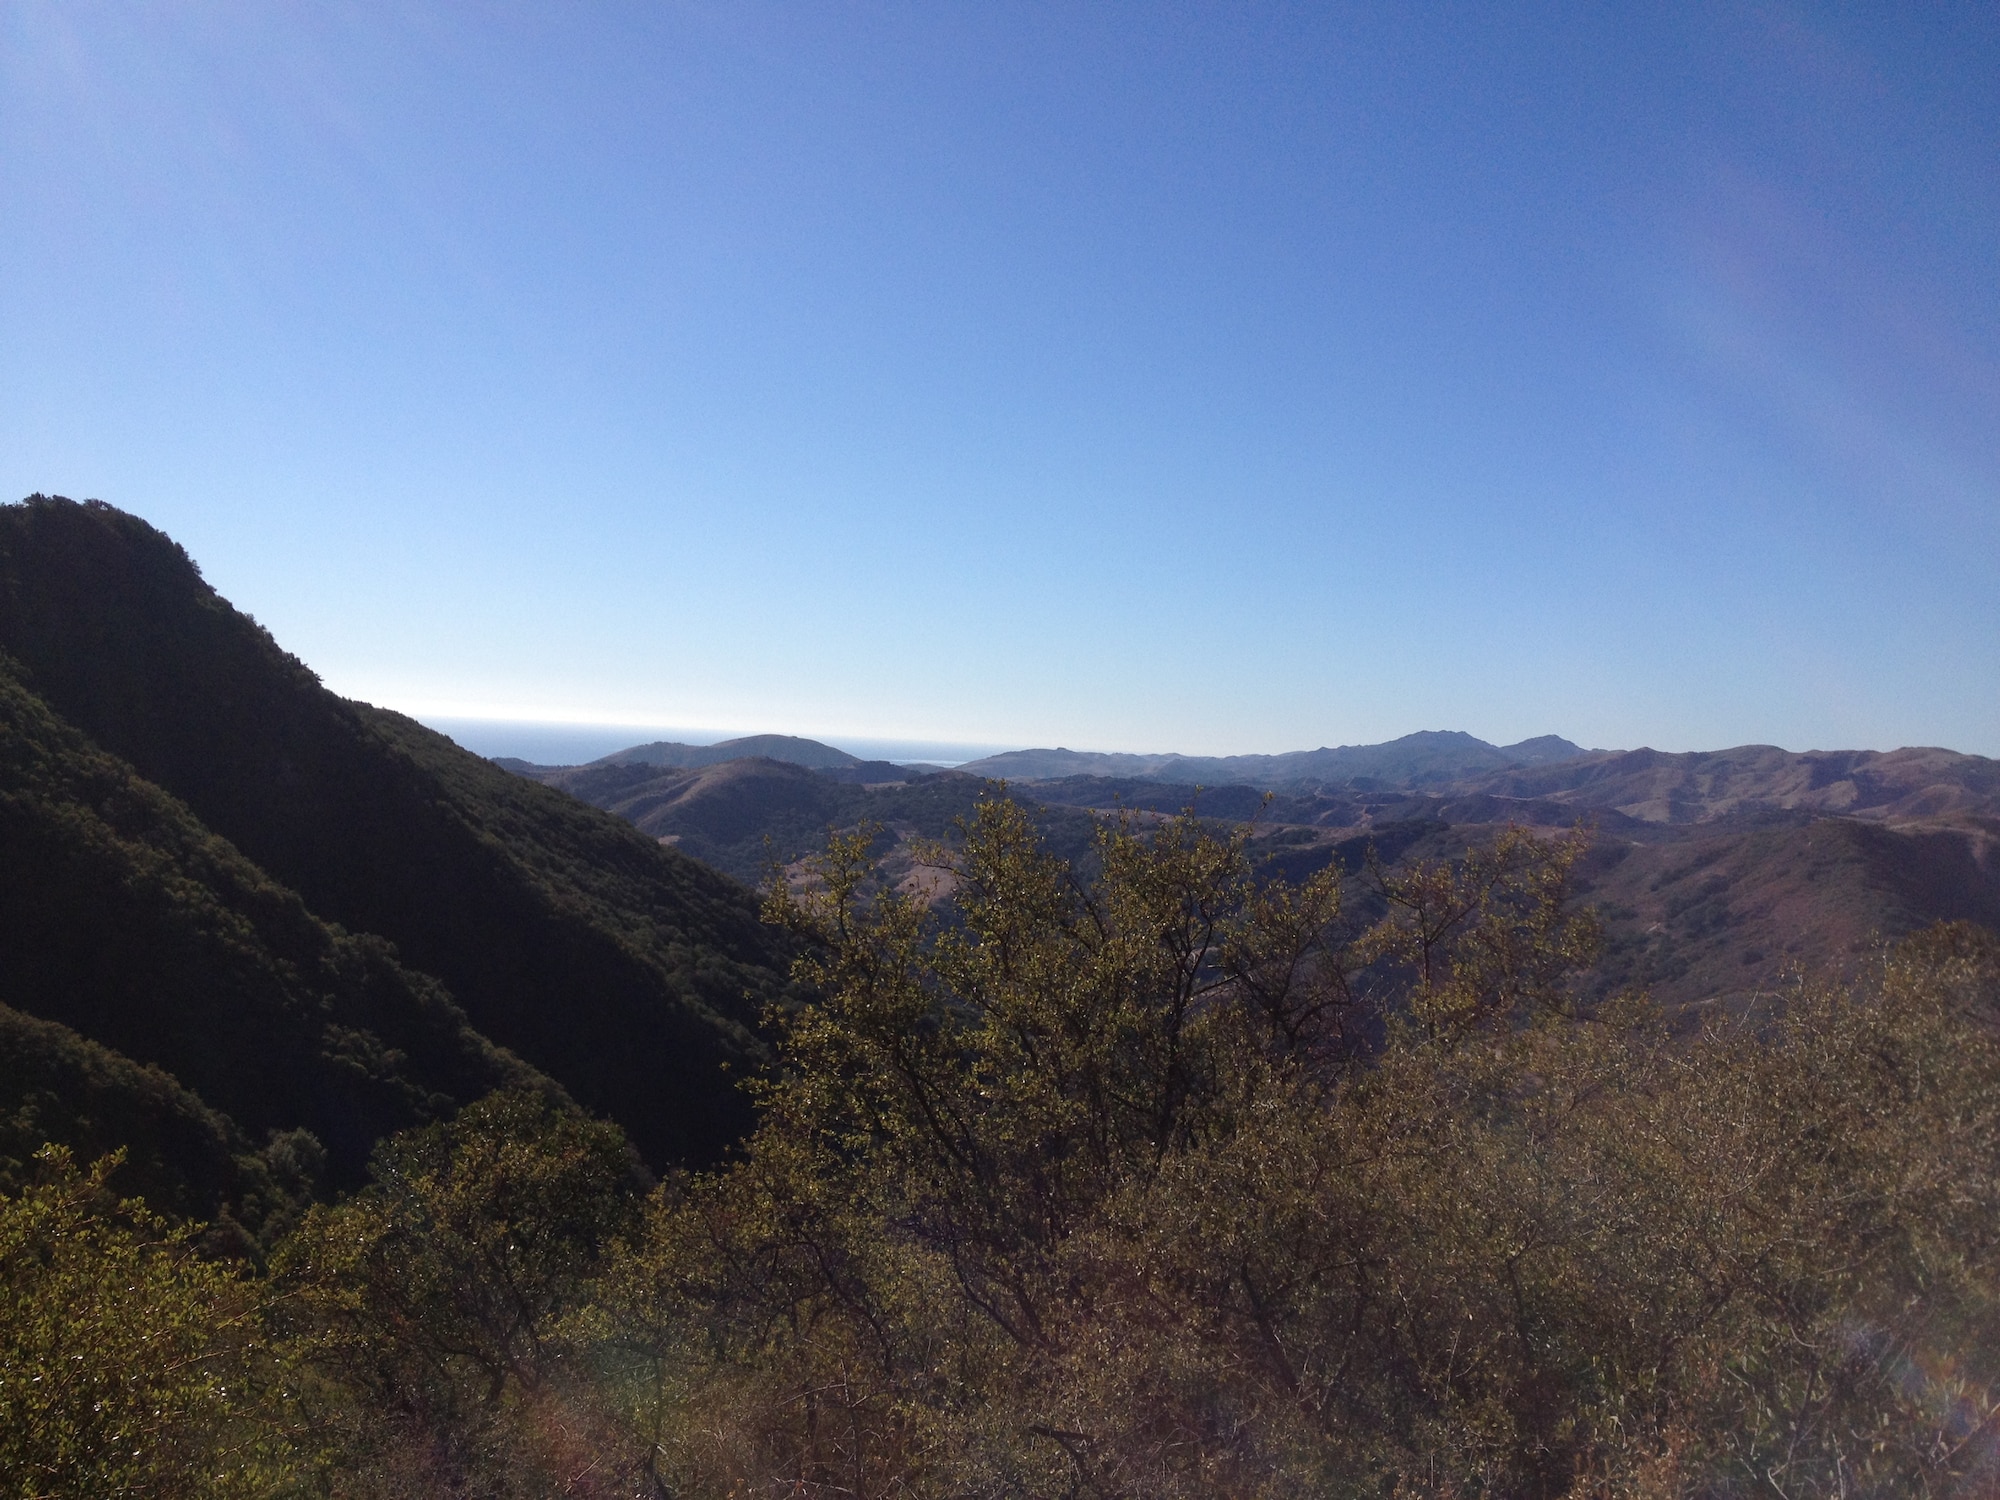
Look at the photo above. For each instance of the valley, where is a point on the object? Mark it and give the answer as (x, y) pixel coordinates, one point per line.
(379, 1114)
(1719, 874)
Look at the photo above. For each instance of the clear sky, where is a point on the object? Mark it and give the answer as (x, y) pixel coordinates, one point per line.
(1219, 378)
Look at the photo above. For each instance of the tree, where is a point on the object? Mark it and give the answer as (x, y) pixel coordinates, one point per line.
(429, 1307)
(1163, 1181)
(129, 1366)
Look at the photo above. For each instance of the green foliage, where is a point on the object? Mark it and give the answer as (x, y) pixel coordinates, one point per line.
(128, 1365)
(427, 1311)
(1488, 939)
(1144, 1174)
(1055, 1038)
(181, 1157)
(1160, 1184)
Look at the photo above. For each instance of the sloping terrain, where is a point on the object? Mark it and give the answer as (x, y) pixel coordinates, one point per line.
(1719, 874)
(184, 1158)
(1718, 910)
(629, 973)
(741, 816)
(124, 919)
(1895, 787)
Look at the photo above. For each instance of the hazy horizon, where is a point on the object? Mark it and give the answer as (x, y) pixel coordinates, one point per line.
(555, 742)
(1229, 379)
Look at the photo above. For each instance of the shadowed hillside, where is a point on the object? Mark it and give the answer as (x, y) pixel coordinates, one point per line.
(182, 1157)
(123, 918)
(626, 971)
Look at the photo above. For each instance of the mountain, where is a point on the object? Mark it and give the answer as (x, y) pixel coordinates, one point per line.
(626, 972)
(667, 755)
(780, 747)
(1427, 758)
(1543, 749)
(740, 815)
(125, 919)
(1896, 786)
(1718, 873)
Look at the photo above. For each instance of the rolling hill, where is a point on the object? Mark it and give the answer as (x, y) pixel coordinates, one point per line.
(780, 747)
(741, 815)
(1719, 873)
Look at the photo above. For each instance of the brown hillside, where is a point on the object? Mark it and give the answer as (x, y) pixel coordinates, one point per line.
(1895, 786)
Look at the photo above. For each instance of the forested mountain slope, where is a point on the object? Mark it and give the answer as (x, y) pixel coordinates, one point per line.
(627, 972)
(125, 919)
(181, 1156)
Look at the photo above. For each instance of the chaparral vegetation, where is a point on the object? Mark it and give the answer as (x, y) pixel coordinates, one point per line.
(1131, 1175)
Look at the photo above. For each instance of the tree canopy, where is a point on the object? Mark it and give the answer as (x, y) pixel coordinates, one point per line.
(1144, 1175)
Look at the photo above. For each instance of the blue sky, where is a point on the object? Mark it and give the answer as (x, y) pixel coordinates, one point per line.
(1207, 378)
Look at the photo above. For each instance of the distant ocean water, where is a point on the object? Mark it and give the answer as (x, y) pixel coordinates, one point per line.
(573, 744)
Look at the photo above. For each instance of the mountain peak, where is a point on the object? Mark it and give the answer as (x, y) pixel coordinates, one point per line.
(1542, 750)
(782, 747)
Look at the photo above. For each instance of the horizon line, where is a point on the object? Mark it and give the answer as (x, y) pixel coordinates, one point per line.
(982, 748)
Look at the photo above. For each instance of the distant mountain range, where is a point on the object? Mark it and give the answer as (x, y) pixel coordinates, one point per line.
(1651, 786)
(1716, 871)
(1427, 758)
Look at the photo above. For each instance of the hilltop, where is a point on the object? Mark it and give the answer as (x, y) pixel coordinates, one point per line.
(640, 762)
